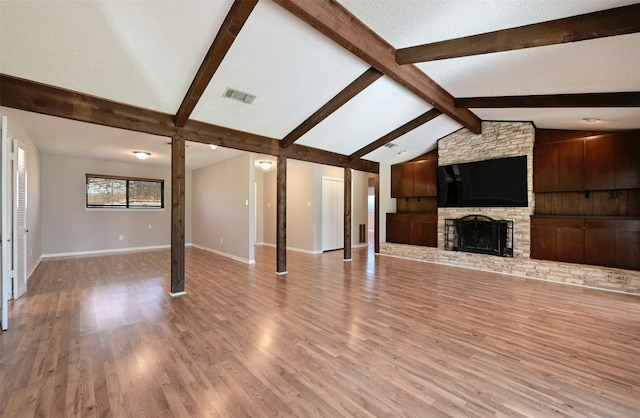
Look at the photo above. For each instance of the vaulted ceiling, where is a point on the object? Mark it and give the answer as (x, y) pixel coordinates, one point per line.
(325, 75)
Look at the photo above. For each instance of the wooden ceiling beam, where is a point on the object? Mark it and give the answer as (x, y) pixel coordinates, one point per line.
(611, 22)
(623, 99)
(396, 133)
(339, 25)
(53, 101)
(236, 18)
(349, 92)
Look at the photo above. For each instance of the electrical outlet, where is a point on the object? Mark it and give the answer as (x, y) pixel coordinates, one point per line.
(221, 241)
(150, 226)
(121, 237)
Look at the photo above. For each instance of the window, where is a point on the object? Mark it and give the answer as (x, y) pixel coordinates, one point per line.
(124, 192)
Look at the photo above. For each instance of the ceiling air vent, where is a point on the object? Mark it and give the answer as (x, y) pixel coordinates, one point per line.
(390, 145)
(238, 95)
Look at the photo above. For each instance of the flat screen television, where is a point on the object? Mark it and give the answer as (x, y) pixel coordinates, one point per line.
(491, 183)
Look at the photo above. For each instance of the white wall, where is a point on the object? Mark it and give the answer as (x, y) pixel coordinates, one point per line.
(304, 204)
(223, 207)
(34, 219)
(359, 211)
(68, 227)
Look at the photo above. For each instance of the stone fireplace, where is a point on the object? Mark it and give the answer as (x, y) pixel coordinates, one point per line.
(499, 140)
(479, 234)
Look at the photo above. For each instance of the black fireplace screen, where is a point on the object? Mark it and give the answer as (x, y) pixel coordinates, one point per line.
(479, 234)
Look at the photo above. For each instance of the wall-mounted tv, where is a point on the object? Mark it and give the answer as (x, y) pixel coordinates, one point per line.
(491, 183)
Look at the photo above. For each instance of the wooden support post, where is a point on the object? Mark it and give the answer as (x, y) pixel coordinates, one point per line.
(376, 214)
(347, 214)
(281, 216)
(177, 215)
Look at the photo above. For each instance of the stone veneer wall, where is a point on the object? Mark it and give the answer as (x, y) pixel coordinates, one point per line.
(497, 140)
(507, 139)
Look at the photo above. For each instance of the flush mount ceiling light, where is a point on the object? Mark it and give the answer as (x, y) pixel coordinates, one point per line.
(591, 120)
(142, 155)
(213, 146)
(265, 164)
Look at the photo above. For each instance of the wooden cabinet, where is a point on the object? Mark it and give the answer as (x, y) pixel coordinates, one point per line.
(571, 166)
(398, 228)
(559, 166)
(402, 180)
(414, 179)
(604, 162)
(613, 242)
(424, 178)
(603, 242)
(557, 239)
(424, 230)
(545, 168)
(627, 161)
(414, 229)
(600, 159)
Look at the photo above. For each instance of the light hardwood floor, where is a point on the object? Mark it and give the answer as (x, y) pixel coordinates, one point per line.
(100, 336)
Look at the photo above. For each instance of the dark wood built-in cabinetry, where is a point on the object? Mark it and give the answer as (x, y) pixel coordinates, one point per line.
(414, 229)
(587, 240)
(587, 189)
(601, 162)
(414, 186)
(414, 179)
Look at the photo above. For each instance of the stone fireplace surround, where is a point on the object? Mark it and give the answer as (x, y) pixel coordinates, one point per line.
(498, 140)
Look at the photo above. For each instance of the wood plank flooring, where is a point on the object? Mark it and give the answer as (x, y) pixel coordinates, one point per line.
(375, 337)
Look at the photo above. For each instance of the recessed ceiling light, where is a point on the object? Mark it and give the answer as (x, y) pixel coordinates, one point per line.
(591, 120)
(213, 146)
(142, 155)
(265, 164)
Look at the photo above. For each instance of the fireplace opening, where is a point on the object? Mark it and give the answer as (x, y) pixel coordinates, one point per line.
(479, 234)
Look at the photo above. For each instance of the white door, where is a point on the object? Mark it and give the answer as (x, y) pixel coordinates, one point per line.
(5, 240)
(20, 220)
(332, 213)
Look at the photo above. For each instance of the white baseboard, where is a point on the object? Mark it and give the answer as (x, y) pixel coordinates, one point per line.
(300, 250)
(231, 256)
(107, 251)
(33, 268)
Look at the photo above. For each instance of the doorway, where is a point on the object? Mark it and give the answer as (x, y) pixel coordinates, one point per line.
(13, 216)
(332, 213)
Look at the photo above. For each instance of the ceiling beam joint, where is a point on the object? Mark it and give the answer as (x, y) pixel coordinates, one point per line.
(339, 25)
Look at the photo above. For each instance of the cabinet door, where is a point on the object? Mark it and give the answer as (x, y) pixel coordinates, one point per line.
(600, 247)
(543, 242)
(402, 180)
(545, 168)
(424, 230)
(398, 227)
(613, 243)
(627, 161)
(425, 178)
(557, 239)
(396, 180)
(600, 160)
(570, 243)
(628, 250)
(571, 166)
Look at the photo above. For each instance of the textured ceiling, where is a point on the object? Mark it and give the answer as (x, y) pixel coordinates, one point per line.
(147, 53)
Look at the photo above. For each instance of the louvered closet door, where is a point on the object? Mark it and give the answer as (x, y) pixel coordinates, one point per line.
(20, 216)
